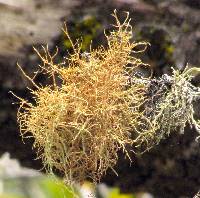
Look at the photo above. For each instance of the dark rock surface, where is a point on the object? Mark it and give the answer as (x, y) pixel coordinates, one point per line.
(172, 27)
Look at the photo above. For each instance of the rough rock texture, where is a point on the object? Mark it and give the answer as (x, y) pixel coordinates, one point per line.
(172, 27)
(25, 23)
(10, 168)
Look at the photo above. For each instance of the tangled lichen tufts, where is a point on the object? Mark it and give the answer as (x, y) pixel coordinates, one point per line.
(97, 105)
(170, 105)
(80, 125)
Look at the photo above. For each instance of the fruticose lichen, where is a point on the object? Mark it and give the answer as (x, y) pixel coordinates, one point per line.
(102, 106)
(170, 105)
(80, 125)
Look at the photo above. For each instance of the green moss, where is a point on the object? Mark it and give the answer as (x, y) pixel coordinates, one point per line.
(170, 49)
(87, 30)
(185, 27)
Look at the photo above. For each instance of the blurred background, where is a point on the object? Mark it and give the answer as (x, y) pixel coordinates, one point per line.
(172, 27)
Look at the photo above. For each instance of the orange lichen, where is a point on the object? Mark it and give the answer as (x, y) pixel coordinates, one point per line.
(81, 124)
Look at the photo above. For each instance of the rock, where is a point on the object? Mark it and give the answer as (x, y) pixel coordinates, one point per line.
(28, 22)
(10, 168)
(193, 3)
(25, 23)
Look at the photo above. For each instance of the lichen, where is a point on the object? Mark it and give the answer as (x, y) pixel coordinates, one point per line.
(170, 105)
(97, 105)
(80, 125)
